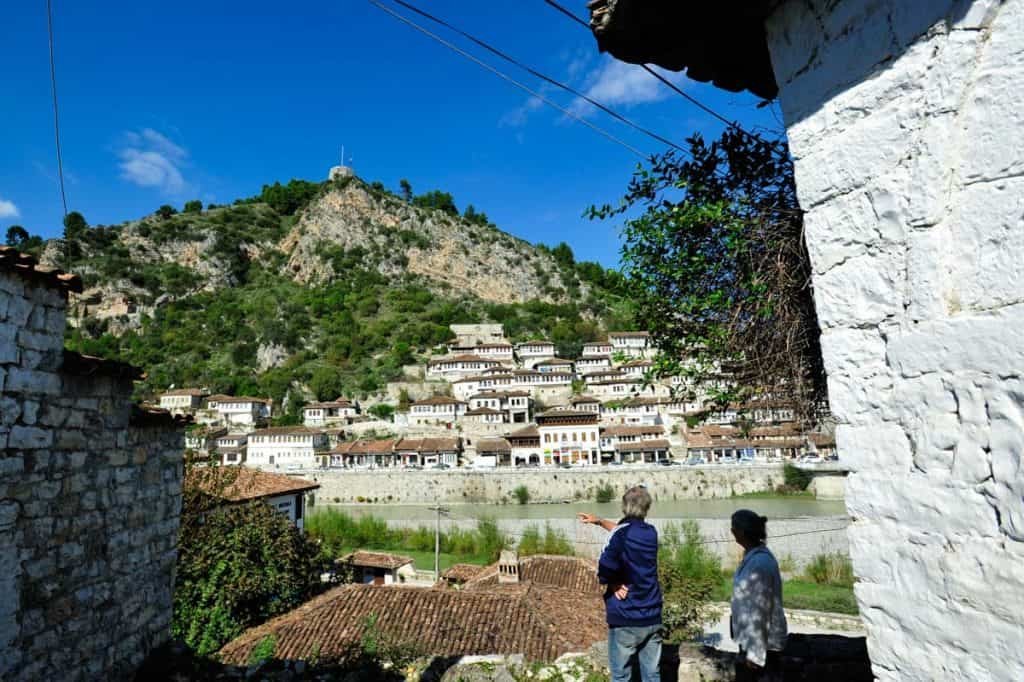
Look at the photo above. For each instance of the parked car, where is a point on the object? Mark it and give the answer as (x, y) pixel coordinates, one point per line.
(694, 461)
(668, 462)
(811, 459)
(726, 459)
(746, 459)
(442, 466)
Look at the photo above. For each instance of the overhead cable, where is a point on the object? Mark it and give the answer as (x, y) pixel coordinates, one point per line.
(538, 74)
(56, 117)
(509, 79)
(690, 98)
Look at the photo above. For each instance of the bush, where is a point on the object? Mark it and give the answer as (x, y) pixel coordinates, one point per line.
(522, 494)
(796, 479)
(605, 494)
(830, 569)
(553, 541)
(689, 572)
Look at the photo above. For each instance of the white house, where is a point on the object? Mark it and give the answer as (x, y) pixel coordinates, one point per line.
(203, 438)
(501, 352)
(569, 437)
(457, 366)
(619, 440)
(484, 415)
(232, 447)
(632, 411)
(633, 344)
(636, 368)
(182, 400)
(555, 365)
(364, 454)
(378, 568)
(340, 411)
(239, 411)
(513, 406)
(239, 484)
(286, 447)
(585, 403)
(593, 363)
(596, 348)
(439, 409)
(600, 375)
(525, 446)
(615, 388)
(426, 452)
(530, 352)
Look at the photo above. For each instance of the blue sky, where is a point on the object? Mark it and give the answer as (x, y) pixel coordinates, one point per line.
(165, 102)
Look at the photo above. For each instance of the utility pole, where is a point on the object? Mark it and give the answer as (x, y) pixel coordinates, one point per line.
(437, 540)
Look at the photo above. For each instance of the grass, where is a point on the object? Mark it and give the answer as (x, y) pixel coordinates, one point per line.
(424, 560)
(802, 594)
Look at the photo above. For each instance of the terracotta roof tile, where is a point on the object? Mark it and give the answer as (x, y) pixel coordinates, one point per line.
(493, 445)
(461, 572)
(525, 432)
(244, 483)
(438, 400)
(375, 559)
(629, 430)
(644, 446)
(287, 431)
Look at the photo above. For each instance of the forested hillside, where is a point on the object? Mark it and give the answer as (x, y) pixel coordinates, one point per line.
(313, 290)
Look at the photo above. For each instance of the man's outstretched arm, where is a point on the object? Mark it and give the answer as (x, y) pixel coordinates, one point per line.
(596, 521)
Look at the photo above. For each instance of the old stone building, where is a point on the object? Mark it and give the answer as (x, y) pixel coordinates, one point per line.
(90, 496)
(904, 123)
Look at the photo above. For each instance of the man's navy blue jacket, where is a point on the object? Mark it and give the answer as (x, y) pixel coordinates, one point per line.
(631, 558)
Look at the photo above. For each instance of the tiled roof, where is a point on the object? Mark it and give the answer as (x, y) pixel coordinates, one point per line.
(27, 267)
(375, 559)
(184, 391)
(221, 398)
(245, 483)
(439, 400)
(628, 430)
(580, 399)
(554, 361)
(494, 345)
(360, 447)
(637, 363)
(565, 412)
(591, 358)
(574, 574)
(644, 446)
(340, 402)
(461, 572)
(629, 335)
(613, 382)
(465, 357)
(428, 444)
(537, 622)
(493, 445)
(525, 432)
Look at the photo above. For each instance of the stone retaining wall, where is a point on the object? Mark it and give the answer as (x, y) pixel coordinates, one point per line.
(544, 484)
(90, 499)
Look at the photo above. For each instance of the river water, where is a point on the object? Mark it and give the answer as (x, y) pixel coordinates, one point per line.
(772, 507)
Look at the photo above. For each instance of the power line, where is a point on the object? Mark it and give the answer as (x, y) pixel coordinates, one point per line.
(543, 77)
(56, 116)
(690, 98)
(509, 79)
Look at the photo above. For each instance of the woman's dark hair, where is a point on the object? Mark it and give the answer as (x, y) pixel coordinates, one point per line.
(750, 524)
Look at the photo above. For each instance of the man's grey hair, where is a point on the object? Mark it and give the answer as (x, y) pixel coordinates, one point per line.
(636, 502)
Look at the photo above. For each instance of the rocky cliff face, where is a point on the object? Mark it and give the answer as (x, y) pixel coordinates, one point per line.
(132, 269)
(478, 260)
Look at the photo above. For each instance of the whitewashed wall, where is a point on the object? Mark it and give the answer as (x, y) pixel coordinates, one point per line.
(907, 122)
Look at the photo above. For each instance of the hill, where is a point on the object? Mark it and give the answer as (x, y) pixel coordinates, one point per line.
(312, 290)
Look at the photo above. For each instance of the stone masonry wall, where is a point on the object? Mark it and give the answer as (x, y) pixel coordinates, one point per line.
(89, 507)
(905, 122)
(550, 484)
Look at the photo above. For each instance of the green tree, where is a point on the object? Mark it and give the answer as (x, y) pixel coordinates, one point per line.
(194, 206)
(291, 198)
(563, 255)
(238, 564)
(16, 236)
(382, 411)
(75, 226)
(326, 383)
(438, 201)
(406, 189)
(718, 267)
(476, 217)
(166, 211)
(689, 572)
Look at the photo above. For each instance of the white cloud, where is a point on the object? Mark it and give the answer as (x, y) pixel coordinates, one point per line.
(149, 159)
(8, 209)
(518, 116)
(618, 83)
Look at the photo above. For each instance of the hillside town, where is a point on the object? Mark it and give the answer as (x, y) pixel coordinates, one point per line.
(498, 404)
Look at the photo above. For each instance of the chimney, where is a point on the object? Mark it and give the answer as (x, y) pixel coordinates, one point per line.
(508, 566)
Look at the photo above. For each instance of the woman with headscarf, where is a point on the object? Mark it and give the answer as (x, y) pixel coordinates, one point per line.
(758, 623)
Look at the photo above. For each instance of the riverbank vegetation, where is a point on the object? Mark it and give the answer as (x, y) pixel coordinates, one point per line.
(825, 585)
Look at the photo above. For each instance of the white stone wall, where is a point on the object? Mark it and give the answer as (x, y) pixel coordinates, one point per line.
(906, 124)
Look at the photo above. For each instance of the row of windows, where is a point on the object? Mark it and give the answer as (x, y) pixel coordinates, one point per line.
(553, 438)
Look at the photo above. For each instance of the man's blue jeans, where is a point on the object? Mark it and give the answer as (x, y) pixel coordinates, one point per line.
(629, 647)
